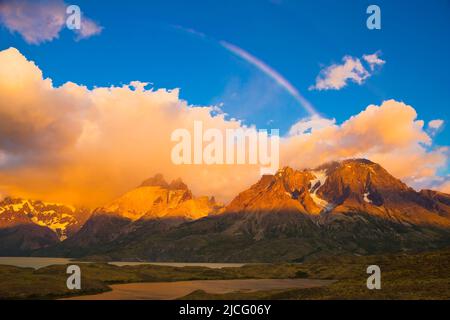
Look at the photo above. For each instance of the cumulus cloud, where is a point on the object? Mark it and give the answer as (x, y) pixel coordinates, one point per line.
(41, 21)
(434, 126)
(389, 134)
(77, 145)
(88, 29)
(310, 124)
(337, 76)
(439, 183)
(373, 60)
(87, 146)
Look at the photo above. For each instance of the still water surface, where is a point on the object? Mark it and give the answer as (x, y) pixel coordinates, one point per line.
(170, 290)
(37, 263)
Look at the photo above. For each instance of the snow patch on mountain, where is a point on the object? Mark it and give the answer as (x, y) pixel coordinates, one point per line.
(57, 217)
(319, 180)
(366, 197)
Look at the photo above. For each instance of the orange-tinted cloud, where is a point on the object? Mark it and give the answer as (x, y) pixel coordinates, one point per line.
(389, 134)
(87, 146)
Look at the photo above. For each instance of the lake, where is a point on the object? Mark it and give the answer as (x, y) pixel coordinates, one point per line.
(41, 262)
(170, 290)
(174, 290)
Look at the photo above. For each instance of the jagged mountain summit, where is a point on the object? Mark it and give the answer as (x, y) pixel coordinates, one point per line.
(152, 208)
(347, 207)
(350, 186)
(63, 220)
(155, 198)
(30, 224)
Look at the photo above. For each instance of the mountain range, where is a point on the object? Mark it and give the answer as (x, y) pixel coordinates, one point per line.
(348, 207)
(26, 225)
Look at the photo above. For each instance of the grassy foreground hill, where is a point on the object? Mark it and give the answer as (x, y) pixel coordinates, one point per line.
(421, 276)
(404, 276)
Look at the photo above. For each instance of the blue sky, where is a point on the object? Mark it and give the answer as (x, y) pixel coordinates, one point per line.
(149, 41)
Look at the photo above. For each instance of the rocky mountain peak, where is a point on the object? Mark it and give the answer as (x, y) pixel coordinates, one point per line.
(348, 186)
(62, 219)
(159, 181)
(178, 184)
(155, 198)
(352, 206)
(155, 181)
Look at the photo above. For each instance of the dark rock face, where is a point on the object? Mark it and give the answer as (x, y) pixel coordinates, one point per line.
(156, 181)
(178, 184)
(21, 239)
(105, 232)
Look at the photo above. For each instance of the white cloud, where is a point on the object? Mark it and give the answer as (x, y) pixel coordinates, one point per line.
(439, 183)
(41, 21)
(373, 60)
(337, 76)
(88, 29)
(434, 126)
(311, 124)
